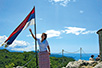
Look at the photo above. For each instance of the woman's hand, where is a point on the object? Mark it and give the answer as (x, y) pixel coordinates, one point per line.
(48, 49)
(30, 30)
(49, 53)
(32, 34)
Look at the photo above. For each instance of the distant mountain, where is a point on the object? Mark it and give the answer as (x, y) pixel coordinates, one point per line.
(55, 55)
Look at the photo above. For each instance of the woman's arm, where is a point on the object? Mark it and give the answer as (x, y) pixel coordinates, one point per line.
(32, 34)
(48, 49)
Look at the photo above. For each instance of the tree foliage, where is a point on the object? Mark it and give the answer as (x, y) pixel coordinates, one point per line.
(13, 59)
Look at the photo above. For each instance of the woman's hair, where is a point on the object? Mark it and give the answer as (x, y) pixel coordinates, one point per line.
(45, 36)
(92, 56)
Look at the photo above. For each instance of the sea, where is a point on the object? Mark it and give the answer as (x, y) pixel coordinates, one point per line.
(76, 56)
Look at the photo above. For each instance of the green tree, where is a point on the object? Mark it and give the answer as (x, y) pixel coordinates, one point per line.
(14, 59)
(10, 65)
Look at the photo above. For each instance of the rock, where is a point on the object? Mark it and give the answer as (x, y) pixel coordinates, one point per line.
(92, 63)
(82, 64)
(86, 67)
(98, 65)
(76, 64)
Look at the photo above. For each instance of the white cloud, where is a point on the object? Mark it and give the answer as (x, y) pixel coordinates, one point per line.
(28, 48)
(64, 3)
(2, 39)
(67, 30)
(16, 45)
(19, 43)
(50, 34)
(87, 32)
(74, 30)
(81, 11)
(77, 30)
(57, 0)
(39, 35)
(61, 2)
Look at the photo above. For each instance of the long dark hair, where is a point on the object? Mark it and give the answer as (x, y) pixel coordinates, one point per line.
(45, 36)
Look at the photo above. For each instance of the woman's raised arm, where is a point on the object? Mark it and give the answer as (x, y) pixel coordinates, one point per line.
(32, 34)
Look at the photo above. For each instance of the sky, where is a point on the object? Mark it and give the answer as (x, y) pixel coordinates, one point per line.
(69, 24)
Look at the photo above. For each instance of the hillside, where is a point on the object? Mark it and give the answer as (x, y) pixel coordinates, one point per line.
(13, 59)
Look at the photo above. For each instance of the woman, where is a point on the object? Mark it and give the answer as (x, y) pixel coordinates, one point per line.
(98, 58)
(44, 61)
(92, 58)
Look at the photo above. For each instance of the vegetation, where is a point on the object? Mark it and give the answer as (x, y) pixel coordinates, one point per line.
(13, 59)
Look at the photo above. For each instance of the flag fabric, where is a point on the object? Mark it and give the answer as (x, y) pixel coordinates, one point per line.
(29, 20)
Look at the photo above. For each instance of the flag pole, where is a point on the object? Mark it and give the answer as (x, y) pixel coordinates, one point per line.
(36, 43)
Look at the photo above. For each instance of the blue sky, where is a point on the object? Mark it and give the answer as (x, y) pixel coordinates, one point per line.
(70, 24)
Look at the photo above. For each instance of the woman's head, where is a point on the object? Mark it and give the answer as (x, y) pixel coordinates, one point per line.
(44, 36)
(92, 56)
(98, 55)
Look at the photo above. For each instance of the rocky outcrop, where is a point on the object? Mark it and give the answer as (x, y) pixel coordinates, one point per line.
(84, 64)
(98, 65)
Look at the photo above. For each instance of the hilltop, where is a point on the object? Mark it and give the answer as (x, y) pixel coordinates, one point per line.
(14, 59)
